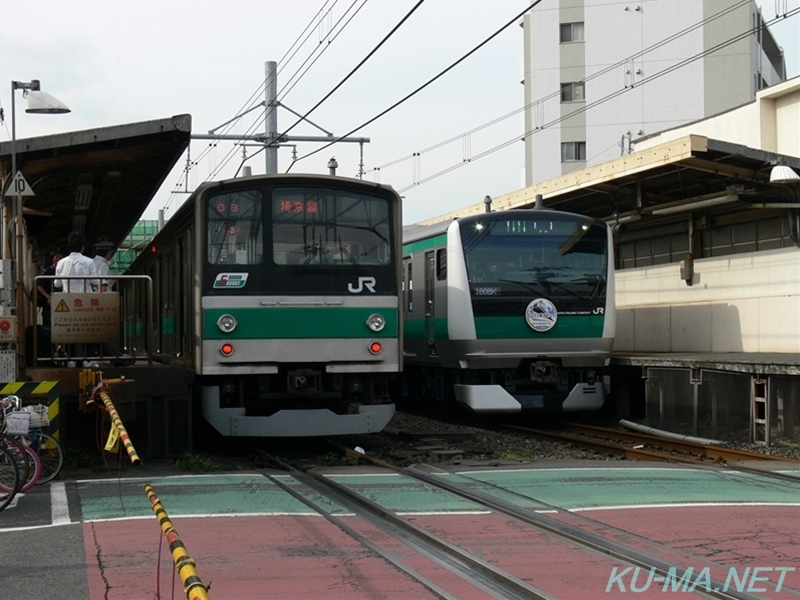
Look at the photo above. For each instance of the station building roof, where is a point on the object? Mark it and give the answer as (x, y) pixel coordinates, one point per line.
(655, 184)
(98, 180)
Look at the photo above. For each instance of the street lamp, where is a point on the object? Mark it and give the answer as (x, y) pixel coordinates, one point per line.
(785, 176)
(39, 102)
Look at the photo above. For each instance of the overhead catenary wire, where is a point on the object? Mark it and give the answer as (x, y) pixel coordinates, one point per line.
(557, 93)
(223, 162)
(598, 102)
(356, 68)
(423, 86)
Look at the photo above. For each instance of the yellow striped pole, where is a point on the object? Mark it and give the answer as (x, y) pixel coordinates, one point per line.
(192, 586)
(117, 422)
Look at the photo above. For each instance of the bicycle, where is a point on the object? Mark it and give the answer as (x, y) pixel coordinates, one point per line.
(9, 478)
(14, 426)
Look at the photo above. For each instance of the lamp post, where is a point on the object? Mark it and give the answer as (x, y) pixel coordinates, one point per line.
(39, 102)
(785, 176)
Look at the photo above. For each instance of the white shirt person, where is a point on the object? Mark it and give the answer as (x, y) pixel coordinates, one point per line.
(76, 264)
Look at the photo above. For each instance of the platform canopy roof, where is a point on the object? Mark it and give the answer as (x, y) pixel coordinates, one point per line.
(98, 180)
(651, 185)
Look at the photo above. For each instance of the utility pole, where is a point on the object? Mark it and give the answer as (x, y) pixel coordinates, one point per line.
(271, 139)
(271, 120)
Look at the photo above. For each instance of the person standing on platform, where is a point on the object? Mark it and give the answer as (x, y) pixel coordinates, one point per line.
(103, 251)
(77, 264)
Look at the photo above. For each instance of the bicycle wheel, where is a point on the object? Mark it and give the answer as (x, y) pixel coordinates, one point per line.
(35, 471)
(9, 478)
(50, 455)
(15, 449)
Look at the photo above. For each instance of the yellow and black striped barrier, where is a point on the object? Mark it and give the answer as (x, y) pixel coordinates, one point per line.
(38, 392)
(116, 422)
(192, 586)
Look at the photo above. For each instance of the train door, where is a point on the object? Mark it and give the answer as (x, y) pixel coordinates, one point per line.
(187, 296)
(155, 331)
(430, 302)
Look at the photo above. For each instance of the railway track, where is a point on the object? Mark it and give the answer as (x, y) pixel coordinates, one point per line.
(481, 574)
(640, 446)
(590, 535)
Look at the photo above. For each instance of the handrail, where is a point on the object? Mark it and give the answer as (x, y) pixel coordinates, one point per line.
(149, 317)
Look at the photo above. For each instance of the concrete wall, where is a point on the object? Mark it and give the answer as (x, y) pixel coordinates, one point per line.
(738, 303)
(770, 123)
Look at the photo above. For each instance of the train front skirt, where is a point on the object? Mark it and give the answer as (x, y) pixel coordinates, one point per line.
(495, 399)
(370, 418)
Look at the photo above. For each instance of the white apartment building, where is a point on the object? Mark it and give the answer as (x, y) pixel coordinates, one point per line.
(599, 74)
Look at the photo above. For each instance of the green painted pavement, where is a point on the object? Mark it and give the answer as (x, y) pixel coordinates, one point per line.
(403, 494)
(187, 496)
(535, 489)
(571, 489)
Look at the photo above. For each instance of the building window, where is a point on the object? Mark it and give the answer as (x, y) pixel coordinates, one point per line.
(572, 92)
(573, 151)
(571, 32)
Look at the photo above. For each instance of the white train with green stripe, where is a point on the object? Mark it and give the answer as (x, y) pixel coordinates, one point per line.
(509, 311)
(281, 294)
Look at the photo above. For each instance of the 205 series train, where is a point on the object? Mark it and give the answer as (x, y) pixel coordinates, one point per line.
(281, 294)
(509, 311)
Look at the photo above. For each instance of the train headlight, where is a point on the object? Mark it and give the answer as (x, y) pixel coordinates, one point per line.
(376, 322)
(226, 323)
(375, 347)
(226, 349)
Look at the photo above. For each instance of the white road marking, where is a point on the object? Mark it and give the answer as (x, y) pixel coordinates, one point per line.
(59, 505)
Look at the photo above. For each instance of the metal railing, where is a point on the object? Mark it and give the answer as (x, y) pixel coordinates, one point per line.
(120, 280)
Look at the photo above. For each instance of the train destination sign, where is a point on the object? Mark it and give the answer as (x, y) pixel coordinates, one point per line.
(85, 318)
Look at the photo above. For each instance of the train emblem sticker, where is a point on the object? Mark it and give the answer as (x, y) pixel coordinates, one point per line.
(230, 281)
(541, 315)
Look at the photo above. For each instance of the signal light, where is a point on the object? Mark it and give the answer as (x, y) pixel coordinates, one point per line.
(153, 249)
(375, 347)
(226, 349)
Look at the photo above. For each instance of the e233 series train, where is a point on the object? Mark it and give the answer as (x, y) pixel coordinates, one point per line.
(509, 311)
(280, 294)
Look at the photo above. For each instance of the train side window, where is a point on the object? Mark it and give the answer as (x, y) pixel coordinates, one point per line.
(441, 264)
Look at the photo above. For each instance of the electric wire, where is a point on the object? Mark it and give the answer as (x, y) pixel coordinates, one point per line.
(357, 67)
(423, 86)
(557, 93)
(598, 102)
(222, 163)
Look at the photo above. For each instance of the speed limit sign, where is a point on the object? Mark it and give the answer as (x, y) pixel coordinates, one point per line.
(19, 186)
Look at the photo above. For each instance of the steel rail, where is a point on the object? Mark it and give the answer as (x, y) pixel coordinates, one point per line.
(558, 528)
(707, 450)
(472, 569)
(605, 446)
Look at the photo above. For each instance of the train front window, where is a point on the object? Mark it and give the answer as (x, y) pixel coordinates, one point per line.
(316, 227)
(548, 256)
(235, 228)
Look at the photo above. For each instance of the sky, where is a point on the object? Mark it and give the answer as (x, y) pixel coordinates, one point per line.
(115, 63)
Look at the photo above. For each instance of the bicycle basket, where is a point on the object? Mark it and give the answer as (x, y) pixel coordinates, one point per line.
(18, 423)
(38, 415)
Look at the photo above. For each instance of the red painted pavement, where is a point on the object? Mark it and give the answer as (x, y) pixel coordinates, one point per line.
(242, 558)
(733, 536)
